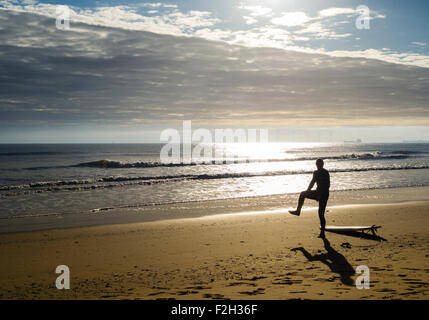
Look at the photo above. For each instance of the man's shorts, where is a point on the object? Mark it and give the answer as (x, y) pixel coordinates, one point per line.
(316, 195)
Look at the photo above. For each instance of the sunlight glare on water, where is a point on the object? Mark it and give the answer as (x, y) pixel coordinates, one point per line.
(267, 150)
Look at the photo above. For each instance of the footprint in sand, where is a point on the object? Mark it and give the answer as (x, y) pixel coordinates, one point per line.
(286, 281)
(215, 296)
(233, 284)
(254, 292)
(186, 292)
(346, 245)
(255, 278)
(199, 288)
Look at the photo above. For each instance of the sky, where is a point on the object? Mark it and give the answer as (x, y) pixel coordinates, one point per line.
(126, 70)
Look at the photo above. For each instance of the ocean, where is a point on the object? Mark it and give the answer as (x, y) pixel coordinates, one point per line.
(45, 179)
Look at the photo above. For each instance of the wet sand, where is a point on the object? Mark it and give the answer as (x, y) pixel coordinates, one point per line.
(259, 255)
(204, 208)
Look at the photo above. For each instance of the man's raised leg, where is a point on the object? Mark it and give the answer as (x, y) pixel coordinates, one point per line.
(305, 194)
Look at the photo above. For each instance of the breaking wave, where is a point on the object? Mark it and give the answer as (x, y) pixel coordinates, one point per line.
(118, 181)
(109, 164)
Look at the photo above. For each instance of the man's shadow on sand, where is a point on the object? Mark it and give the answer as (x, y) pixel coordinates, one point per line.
(334, 260)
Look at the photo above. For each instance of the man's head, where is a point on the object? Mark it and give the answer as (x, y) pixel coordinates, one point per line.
(319, 164)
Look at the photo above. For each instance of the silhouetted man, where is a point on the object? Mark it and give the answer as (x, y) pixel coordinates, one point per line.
(321, 194)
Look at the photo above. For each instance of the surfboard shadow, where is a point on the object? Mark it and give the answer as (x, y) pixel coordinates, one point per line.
(358, 234)
(334, 260)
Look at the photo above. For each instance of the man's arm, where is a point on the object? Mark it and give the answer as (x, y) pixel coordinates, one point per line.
(312, 182)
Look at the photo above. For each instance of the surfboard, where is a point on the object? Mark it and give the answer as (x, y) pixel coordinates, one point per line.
(345, 229)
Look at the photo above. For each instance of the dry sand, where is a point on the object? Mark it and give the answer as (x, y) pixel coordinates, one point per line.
(270, 255)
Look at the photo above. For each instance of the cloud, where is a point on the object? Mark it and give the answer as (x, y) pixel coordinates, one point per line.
(317, 27)
(405, 58)
(331, 12)
(250, 20)
(334, 12)
(378, 16)
(320, 31)
(157, 5)
(257, 11)
(170, 20)
(290, 19)
(94, 74)
(192, 19)
(421, 44)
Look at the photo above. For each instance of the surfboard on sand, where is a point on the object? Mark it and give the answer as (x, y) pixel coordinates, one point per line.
(345, 229)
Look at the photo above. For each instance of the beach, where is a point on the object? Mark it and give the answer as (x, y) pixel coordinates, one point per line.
(162, 151)
(253, 251)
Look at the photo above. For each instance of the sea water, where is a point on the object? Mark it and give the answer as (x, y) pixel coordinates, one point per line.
(44, 179)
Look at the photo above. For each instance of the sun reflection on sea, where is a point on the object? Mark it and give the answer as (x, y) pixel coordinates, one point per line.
(265, 163)
(263, 151)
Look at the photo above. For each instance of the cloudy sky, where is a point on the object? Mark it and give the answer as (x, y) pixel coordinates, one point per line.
(125, 70)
